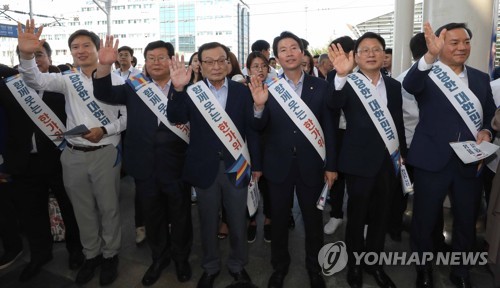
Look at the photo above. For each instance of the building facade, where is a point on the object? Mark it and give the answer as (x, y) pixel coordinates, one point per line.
(187, 24)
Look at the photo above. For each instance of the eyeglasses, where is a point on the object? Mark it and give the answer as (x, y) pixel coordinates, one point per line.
(259, 67)
(365, 51)
(211, 62)
(160, 59)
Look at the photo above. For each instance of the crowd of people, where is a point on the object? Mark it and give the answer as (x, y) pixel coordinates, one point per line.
(336, 121)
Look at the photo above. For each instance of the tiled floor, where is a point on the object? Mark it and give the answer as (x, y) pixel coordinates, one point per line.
(135, 260)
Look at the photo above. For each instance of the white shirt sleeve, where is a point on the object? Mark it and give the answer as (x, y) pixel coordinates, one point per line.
(37, 80)
(339, 82)
(422, 65)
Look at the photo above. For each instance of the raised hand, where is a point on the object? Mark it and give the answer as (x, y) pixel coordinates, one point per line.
(434, 43)
(108, 54)
(28, 41)
(342, 62)
(179, 75)
(259, 92)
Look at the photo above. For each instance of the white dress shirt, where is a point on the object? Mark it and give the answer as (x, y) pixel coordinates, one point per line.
(76, 114)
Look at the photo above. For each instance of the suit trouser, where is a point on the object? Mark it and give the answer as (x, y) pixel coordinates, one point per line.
(92, 181)
(369, 203)
(163, 204)
(431, 189)
(338, 189)
(33, 187)
(9, 219)
(281, 195)
(235, 202)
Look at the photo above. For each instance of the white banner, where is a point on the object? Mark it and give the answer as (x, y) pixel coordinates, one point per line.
(43, 117)
(94, 111)
(157, 102)
(223, 127)
(459, 95)
(380, 115)
(299, 113)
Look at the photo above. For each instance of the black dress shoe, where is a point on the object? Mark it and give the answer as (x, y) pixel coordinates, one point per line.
(33, 268)
(381, 278)
(276, 280)
(207, 280)
(183, 270)
(316, 279)
(109, 270)
(355, 277)
(424, 279)
(241, 277)
(460, 282)
(88, 269)
(76, 259)
(154, 271)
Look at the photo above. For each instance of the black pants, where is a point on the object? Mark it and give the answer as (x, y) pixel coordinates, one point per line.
(281, 198)
(163, 204)
(369, 202)
(32, 188)
(9, 219)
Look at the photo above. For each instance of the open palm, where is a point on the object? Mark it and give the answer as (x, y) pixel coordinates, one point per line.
(342, 62)
(108, 54)
(27, 40)
(259, 91)
(179, 75)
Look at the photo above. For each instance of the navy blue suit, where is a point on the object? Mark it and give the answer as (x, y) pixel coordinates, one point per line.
(154, 156)
(206, 162)
(205, 148)
(438, 171)
(290, 161)
(364, 159)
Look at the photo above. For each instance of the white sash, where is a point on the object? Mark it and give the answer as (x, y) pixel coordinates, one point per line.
(223, 127)
(299, 113)
(460, 96)
(94, 111)
(43, 117)
(380, 115)
(156, 101)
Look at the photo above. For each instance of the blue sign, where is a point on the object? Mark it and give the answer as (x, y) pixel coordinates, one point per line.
(8, 30)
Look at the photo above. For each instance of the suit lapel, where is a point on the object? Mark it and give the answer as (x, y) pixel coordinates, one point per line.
(307, 90)
(231, 102)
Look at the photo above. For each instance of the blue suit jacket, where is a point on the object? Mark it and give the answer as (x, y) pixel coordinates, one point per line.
(202, 161)
(282, 136)
(145, 140)
(439, 122)
(363, 150)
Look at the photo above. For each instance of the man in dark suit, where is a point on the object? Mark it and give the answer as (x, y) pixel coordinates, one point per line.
(364, 157)
(338, 189)
(291, 162)
(437, 169)
(155, 158)
(208, 159)
(33, 160)
(10, 236)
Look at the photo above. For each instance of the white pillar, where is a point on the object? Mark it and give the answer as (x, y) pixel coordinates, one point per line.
(480, 16)
(403, 31)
